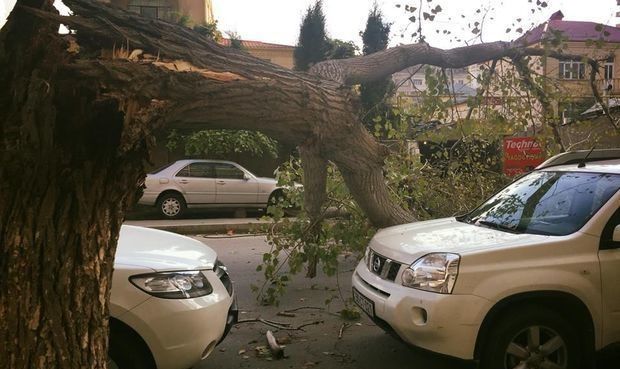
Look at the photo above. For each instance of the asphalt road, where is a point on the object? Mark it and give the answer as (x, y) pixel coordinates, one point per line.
(362, 346)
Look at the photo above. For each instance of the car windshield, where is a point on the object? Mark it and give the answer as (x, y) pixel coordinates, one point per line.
(548, 203)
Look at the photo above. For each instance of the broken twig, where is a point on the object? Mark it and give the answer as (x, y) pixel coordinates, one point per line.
(280, 325)
(342, 328)
(276, 350)
(303, 308)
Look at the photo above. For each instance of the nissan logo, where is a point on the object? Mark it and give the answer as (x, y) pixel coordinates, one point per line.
(376, 265)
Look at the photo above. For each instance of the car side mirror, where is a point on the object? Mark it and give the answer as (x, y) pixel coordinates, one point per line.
(246, 177)
(616, 236)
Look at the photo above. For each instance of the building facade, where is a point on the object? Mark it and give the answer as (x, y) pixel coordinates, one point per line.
(281, 55)
(195, 11)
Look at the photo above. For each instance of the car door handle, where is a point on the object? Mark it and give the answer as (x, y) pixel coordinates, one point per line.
(183, 181)
(221, 182)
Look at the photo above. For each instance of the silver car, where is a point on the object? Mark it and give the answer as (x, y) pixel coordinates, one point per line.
(206, 184)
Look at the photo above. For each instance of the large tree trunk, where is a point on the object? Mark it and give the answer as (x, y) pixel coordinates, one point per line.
(69, 169)
(315, 182)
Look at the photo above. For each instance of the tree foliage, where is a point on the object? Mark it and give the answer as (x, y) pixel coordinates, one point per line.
(222, 143)
(209, 30)
(374, 94)
(313, 45)
(235, 41)
(377, 33)
(339, 49)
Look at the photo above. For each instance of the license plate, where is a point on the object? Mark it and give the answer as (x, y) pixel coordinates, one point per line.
(364, 303)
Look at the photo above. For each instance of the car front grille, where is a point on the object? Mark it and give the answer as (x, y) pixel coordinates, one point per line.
(222, 273)
(383, 267)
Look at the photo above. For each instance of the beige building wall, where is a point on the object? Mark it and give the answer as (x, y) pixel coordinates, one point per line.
(280, 57)
(580, 88)
(198, 11)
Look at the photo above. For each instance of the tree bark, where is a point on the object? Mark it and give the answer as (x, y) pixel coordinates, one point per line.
(70, 165)
(315, 182)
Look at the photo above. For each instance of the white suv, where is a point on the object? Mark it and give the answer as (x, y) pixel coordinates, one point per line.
(530, 279)
(171, 303)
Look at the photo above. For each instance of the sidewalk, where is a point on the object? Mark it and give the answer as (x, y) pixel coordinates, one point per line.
(202, 226)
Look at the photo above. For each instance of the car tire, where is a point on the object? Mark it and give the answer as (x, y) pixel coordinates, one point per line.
(127, 350)
(532, 334)
(171, 205)
(275, 198)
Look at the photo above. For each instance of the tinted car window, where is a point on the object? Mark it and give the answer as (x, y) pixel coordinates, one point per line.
(228, 171)
(197, 170)
(550, 203)
(154, 171)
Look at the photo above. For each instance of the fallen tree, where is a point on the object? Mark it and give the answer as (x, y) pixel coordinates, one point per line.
(76, 122)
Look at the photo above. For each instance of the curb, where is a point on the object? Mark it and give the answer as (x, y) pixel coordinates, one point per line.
(203, 228)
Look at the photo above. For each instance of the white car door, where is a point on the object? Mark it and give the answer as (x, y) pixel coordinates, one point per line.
(609, 258)
(233, 186)
(197, 180)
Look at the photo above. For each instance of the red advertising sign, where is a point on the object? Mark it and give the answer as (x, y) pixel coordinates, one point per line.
(521, 154)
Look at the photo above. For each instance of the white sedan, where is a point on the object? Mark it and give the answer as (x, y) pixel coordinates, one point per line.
(206, 184)
(171, 303)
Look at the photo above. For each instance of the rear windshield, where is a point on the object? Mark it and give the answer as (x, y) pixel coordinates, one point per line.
(549, 203)
(155, 171)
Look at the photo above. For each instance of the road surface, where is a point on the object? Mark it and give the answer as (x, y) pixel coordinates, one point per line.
(362, 346)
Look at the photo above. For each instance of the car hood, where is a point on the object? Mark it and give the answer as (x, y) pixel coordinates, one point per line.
(408, 242)
(162, 251)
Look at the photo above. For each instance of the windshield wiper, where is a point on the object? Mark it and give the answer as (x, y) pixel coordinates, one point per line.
(465, 218)
(498, 226)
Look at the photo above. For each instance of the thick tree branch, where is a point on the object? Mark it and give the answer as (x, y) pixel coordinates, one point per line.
(381, 64)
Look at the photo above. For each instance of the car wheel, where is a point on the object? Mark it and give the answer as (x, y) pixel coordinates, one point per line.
(126, 352)
(531, 338)
(275, 198)
(171, 205)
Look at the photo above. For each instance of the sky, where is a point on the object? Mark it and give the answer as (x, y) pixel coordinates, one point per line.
(277, 21)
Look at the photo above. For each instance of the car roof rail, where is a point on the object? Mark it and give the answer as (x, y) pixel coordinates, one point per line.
(578, 156)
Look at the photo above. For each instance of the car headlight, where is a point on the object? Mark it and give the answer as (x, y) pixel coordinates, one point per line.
(366, 254)
(173, 285)
(433, 272)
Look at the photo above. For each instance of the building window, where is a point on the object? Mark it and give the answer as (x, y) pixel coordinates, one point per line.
(572, 70)
(157, 9)
(149, 11)
(609, 70)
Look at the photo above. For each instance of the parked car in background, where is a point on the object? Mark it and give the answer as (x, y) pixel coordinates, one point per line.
(171, 301)
(529, 279)
(206, 184)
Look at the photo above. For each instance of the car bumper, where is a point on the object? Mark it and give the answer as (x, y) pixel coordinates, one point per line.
(182, 332)
(148, 198)
(231, 320)
(446, 324)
